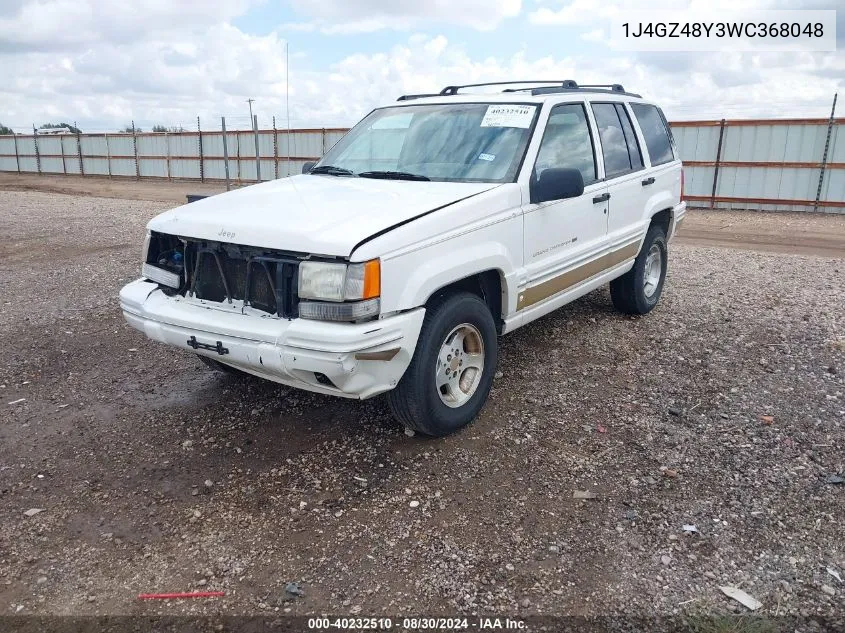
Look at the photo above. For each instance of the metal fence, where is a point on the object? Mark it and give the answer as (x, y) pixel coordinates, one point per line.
(766, 164)
(199, 156)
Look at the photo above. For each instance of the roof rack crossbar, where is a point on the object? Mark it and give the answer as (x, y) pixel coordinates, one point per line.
(453, 90)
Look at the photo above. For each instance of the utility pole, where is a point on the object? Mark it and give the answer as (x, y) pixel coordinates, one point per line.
(254, 121)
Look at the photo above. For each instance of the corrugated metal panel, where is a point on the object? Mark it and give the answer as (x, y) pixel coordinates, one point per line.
(119, 166)
(698, 181)
(50, 145)
(52, 165)
(180, 168)
(7, 144)
(212, 145)
(697, 143)
(28, 163)
(96, 146)
(26, 145)
(153, 167)
(185, 144)
(8, 163)
(99, 166)
(153, 145)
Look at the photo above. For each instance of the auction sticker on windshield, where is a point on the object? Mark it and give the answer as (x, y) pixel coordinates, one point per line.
(508, 116)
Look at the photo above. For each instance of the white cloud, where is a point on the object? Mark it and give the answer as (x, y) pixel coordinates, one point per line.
(363, 16)
(109, 63)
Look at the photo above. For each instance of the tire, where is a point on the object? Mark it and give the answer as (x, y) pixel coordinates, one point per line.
(639, 290)
(417, 401)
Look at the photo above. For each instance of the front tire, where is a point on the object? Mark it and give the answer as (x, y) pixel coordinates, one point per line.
(639, 290)
(451, 373)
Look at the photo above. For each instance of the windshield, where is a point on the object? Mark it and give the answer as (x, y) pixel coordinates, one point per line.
(461, 142)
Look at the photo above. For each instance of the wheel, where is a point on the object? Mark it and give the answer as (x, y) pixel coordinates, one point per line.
(451, 373)
(638, 290)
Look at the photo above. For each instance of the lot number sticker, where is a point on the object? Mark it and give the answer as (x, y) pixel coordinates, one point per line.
(508, 116)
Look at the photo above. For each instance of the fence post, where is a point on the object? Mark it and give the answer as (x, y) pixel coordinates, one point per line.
(275, 151)
(62, 146)
(135, 150)
(238, 153)
(79, 155)
(225, 151)
(167, 149)
(108, 154)
(17, 157)
(824, 155)
(718, 161)
(37, 155)
(323, 144)
(199, 141)
(257, 153)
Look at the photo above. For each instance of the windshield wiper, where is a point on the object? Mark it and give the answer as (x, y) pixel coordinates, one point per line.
(393, 175)
(331, 170)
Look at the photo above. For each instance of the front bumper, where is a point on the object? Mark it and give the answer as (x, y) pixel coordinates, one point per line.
(359, 359)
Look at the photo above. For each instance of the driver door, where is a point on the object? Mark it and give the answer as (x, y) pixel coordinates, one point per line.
(561, 236)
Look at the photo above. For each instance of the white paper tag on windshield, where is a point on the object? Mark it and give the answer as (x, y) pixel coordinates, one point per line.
(508, 115)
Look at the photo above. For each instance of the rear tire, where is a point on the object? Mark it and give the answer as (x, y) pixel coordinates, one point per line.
(639, 290)
(451, 373)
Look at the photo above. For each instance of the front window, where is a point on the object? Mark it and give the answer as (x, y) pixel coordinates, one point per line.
(462, 142)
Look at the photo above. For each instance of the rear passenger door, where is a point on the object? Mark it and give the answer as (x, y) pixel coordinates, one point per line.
(665, 170)
(624, 170)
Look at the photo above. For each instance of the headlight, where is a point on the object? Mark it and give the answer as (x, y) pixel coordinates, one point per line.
(339, 282)
(343, 292)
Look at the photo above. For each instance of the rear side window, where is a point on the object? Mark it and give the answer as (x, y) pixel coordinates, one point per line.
(620, 149)
(655, 132)
(567, 143)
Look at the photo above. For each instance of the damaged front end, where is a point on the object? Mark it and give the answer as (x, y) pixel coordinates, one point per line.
(252, 278)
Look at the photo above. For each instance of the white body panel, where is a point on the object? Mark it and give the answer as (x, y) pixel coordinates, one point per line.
(322, 215)
(427, 236)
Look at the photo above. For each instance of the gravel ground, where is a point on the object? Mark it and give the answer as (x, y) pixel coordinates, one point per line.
(723, 409)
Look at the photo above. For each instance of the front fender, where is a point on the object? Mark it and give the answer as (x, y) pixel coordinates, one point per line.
(426, 273)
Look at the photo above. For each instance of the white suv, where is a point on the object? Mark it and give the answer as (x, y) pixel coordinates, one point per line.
(436, 224)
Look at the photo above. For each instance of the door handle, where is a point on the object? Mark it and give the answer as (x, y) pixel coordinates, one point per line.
(648, 181)
(602, 198)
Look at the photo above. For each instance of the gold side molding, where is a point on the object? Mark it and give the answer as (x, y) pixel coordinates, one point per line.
(573, 277)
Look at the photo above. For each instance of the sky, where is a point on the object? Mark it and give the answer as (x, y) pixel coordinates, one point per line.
(104, 63)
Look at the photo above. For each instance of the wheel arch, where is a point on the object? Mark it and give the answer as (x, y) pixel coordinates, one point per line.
(488, 285)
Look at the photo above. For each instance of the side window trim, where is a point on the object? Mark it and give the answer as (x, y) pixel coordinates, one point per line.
(620, 109)
(629, 171)
(587, 119)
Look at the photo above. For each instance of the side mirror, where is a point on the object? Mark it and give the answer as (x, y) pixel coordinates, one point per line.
(557, 183)
(307, 167)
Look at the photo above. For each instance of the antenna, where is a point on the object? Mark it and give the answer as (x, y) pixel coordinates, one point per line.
(287, 97)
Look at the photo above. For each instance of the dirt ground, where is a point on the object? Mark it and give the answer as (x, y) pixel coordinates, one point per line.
(723, 409)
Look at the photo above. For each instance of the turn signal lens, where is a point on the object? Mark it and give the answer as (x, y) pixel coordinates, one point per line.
(372, 279)
(363, 281)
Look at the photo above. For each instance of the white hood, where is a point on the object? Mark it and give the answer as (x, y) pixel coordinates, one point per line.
(321, 215)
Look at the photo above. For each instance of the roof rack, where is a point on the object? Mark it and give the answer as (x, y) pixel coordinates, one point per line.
(419, 96)
(453, 90)
(566, 85)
